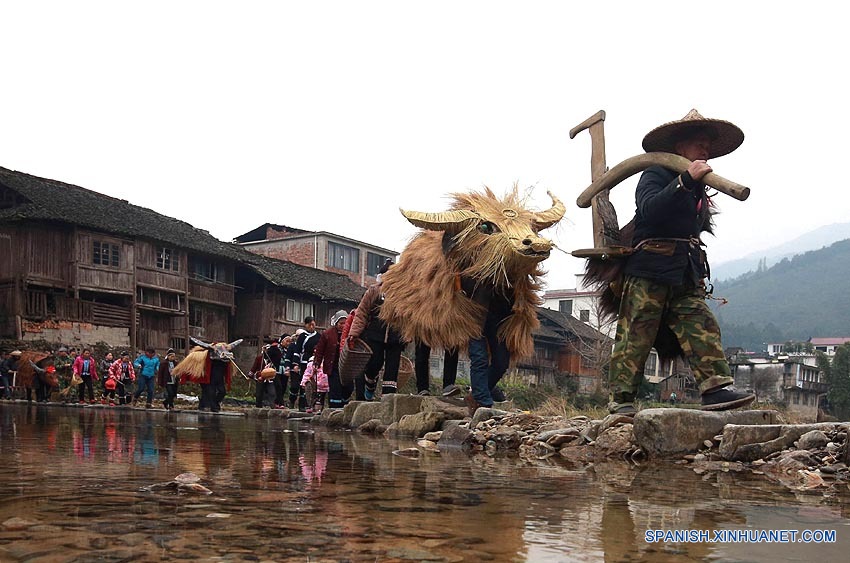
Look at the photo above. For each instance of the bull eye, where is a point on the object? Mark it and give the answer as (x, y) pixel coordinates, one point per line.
(487, 228)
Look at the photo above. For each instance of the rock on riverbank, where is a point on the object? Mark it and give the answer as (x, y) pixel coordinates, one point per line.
(803, 457)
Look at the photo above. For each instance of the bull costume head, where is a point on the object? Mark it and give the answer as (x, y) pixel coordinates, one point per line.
(493, 242)
(491, 239)
(218, 351)
(194, 366)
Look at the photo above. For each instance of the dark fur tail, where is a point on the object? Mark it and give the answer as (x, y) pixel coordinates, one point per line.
(606, 278)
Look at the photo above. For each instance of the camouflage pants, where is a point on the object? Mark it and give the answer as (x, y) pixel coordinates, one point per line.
(645, 305)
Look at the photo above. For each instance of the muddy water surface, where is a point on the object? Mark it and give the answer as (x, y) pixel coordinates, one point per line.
(73, 488)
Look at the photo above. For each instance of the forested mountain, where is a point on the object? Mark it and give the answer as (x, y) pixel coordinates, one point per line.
(798, 298)
(762, 259)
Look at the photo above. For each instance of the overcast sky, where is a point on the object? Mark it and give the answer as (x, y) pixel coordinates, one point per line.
(332, 115)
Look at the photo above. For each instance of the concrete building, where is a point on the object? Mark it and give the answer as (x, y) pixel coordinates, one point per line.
(791, 380)
(358, 260)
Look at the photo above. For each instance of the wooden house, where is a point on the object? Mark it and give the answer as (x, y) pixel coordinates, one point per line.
(80, 267)
(565, 345)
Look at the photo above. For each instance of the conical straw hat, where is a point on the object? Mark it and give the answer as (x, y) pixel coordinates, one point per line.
(726, 136)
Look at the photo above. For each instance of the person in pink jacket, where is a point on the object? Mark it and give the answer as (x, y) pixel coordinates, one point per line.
(86, 369)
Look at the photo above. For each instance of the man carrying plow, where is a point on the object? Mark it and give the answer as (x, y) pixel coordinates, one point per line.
(659, 289)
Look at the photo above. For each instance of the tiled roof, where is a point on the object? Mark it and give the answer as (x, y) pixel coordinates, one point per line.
(260, 232)
(833, 341)
(54, 202)
(569, 323)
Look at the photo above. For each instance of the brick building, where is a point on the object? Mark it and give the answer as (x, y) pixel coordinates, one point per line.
(358, 260)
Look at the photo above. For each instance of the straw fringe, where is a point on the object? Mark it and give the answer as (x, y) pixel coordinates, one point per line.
(423, 301)
(193, 366)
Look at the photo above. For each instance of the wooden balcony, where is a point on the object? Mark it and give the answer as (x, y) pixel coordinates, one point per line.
(216, 293)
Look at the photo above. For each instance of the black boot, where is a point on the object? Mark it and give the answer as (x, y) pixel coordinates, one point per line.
(725, 399)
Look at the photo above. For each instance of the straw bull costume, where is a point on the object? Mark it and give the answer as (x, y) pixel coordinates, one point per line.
(472, 273)
(211, 366)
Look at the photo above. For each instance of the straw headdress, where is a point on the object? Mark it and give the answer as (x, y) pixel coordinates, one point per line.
(726, 136)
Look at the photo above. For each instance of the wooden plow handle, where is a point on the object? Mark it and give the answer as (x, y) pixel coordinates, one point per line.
(632, 166)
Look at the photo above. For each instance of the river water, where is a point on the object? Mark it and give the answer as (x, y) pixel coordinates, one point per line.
(73, 487)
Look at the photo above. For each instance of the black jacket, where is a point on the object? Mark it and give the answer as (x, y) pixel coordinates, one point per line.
(306, 343)
(667, 210)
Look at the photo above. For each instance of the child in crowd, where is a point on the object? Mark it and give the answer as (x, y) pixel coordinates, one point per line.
(318, 379)
(166, 380)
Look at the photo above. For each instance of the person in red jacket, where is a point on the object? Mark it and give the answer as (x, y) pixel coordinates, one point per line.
(326, 355)
(85, 368)
(124, 375)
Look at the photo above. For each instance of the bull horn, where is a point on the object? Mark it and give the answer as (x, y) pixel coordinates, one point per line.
(641, 162)
(200, 343)
(234, 344)
(545, 219)
(451, 221)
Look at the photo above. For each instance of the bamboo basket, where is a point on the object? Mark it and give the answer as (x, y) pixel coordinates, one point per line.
(352, 361)
(405, 371)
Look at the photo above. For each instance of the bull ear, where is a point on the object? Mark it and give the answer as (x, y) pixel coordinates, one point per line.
(449, 221)
(234, 344)
(200, 343)
(545, 219)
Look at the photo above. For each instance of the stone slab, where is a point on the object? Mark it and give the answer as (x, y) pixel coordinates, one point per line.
(397, 405)
(670, 431)
(749, 443)
(365, 412)
(455, 436)
(348, 412)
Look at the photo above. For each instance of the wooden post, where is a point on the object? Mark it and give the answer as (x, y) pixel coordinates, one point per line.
(605, 227)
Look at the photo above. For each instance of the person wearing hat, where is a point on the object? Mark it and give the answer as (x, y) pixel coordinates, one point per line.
(326, 355)
(8, 368)
(664, 290)
(167, 380)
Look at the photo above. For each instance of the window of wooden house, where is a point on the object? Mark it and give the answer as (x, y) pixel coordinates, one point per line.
(374, 263)
(196, 315)
(167, 258)
(565, 306)
(205, 270)
(178, 343)
(343, 257)
(584, 315)
(296, 311)
(651, 365)
(106, 254)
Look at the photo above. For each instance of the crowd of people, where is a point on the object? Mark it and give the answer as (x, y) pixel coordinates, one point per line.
(77, 376)
(298, 371)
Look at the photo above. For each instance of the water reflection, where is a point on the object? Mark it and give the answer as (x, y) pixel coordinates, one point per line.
(295, 492)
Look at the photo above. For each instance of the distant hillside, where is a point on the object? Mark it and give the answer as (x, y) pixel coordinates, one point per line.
(813, 240)
(795, 299)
